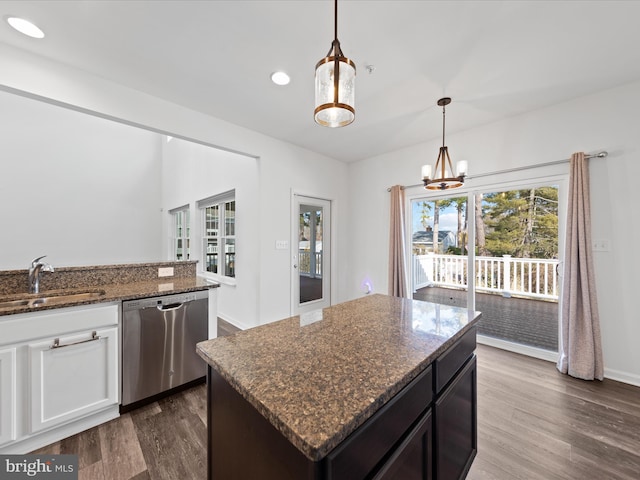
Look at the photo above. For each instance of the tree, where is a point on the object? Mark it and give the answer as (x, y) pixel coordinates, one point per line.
(436, 226)
(460, 204)
(522, 223)
(424, 215)
(480, 227)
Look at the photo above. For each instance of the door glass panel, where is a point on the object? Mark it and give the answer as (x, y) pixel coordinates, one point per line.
(516, 266)
(310, 261)
(439, 250)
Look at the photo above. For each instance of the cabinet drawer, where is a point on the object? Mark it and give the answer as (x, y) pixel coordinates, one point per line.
(73, 379)
(453, 359)
(359, 454)
(412, 460)
(24, 327)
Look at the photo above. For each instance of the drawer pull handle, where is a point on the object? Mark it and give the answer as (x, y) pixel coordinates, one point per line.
(56, 342)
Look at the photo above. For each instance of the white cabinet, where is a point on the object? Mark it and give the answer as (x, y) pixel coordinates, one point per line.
(71, 376)
(7, 395)
(57, 377)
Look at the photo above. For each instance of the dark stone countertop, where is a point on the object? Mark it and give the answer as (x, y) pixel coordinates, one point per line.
(318, 377)
(112, 293)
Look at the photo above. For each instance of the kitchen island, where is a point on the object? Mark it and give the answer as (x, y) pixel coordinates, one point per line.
(378, 387)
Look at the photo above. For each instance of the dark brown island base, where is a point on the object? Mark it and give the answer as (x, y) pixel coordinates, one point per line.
(375, 388)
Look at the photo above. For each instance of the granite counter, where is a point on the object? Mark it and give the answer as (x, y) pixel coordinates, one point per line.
(110, 283)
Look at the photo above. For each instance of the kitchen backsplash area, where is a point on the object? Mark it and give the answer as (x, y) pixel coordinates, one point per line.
(63, 278)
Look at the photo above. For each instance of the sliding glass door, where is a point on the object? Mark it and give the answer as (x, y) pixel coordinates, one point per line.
(514, 281)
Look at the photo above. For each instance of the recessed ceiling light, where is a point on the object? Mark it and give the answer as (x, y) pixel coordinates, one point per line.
(25, 27)
(280, 78)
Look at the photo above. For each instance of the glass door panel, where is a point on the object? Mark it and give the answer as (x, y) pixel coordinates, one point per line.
(310, 252)
(439, 252)
(311, 256)
(516, 282)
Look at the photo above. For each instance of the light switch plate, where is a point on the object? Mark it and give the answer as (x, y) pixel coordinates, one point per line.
(601, 245)
(282, 244)
(165, 272)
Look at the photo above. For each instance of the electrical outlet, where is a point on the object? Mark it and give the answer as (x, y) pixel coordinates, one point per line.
(165, 272)
(601, 245)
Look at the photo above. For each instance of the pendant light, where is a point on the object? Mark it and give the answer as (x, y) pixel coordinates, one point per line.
(442, 177)
(335, 86)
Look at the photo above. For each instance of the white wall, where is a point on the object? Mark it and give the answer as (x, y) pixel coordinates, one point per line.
(192, 172)
(603, 121)
(81, 190)
(282, 167)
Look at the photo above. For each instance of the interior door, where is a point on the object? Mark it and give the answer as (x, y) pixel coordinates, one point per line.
(311, 254)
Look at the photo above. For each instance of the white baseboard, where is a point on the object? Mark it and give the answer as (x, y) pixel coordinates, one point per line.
(234, 322)
(624, 377)
(611, 374)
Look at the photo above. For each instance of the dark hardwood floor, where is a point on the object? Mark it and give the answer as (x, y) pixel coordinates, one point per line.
(537, 424)
(533, 423)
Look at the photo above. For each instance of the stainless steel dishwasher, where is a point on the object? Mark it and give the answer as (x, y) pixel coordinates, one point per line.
(159, 336)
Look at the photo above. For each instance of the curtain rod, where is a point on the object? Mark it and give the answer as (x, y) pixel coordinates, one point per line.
(601, 154)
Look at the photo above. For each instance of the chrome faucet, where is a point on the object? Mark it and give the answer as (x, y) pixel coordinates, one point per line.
(34, 273)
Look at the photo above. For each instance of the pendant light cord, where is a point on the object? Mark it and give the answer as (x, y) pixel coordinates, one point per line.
(443, 123)
(335, 21)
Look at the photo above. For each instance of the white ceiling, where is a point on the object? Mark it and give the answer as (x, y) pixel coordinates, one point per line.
(494, 58)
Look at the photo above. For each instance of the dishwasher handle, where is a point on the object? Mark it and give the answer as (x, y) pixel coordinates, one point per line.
(170, 307)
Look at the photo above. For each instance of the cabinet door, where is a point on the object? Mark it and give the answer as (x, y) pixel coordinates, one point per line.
(72, 376)
(456, 425)
(7, 395)
(412, 460)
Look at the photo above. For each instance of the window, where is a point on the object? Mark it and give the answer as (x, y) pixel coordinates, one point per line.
(180, 232)
(219, 234)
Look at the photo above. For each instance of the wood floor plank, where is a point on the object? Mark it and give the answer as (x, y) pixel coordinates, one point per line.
(173, 442)
(196, 401)
(121, 451)
(86, 445)
(94, 471)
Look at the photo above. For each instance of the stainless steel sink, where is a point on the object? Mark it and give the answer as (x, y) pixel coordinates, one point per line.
(52, 298)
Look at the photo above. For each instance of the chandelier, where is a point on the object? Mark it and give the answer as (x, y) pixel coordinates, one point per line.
(441, 178)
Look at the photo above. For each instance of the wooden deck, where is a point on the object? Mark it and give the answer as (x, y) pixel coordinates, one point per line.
(528, 322)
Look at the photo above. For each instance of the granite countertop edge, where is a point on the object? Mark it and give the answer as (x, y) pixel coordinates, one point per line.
(316, 453)
(114, 293)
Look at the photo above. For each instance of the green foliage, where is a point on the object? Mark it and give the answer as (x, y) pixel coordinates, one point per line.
(522, 223)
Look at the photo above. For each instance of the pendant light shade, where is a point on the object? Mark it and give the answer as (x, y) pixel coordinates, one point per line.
(442, 176)
(335, 86)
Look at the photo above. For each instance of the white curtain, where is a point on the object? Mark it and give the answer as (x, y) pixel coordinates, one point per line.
(580, 345)
(397, 257)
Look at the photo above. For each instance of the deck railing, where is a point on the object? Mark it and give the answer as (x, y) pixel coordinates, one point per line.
(310, 264)
(526, 277)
